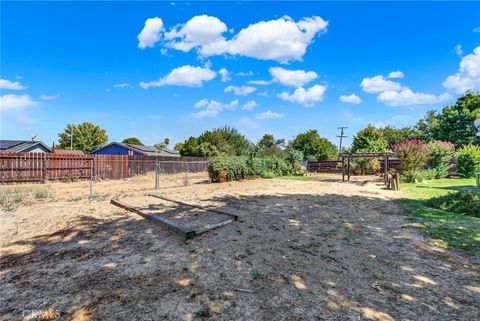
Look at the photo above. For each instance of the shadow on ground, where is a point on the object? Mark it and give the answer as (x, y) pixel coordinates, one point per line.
(304, 257)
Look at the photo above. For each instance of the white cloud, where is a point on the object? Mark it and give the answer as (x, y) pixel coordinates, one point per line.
(211, 108)
(15, 102)
(245, 73)
(225, 75)
(249, 105)
(240, 91)
(122, 85)
(269, 115)
(458, 50)
(10, 85)
(151, 33)
(477, 29)
(350, 99)
(468, 75)
(183, 76)
(396, 74)
(259, 82)
(407, 97)
(304, 96)
(379, 84)
(49, 97)
(155, 116)
(196, 32)
(294, 78)
(282, 40)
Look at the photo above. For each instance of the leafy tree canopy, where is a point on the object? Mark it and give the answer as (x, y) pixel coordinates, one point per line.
(313, 146)
(86, 137)
(220, 141)
(163, 144)
(132, 140)
(369, 139)
(394, 135)
(454, 123)
(268, 145)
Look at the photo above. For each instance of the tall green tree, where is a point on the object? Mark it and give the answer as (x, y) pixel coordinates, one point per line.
(163, 144)
(219, 141)
(455, 122)
(369, 139)
(132, 140)
(268, 145)
(394, 135)
(85, 136)
(313, 146)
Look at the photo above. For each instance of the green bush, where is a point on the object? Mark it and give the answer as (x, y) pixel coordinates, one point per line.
(439, 158)
(365, 166)
(468, 161)
(413, 155)
(462, 202)
(229, 168)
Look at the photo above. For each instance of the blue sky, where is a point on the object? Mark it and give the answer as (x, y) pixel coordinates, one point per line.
(194, 66)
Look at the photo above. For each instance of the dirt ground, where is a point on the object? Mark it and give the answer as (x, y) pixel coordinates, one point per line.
(302, 250)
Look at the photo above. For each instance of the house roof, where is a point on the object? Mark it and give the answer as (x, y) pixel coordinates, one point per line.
(19, 145)
(145, 150)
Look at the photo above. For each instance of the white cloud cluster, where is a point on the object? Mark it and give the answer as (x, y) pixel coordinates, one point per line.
(407, 97)
(269, 115)
(259, 82)
(294, 78)
(282, 40)
(306, 97)
(151, 33)
(392, 93)
(225, 74)
(197, 32)
(211, 108)
(122, 85)
(249, 105)
(350, 99)
(49, 97)
(378, 84)
(10, 85)
(468, 75)
(187, 75)
(396, 74)
(15, 102)
(240, 91)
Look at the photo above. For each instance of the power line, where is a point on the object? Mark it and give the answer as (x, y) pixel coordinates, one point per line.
(341, 136)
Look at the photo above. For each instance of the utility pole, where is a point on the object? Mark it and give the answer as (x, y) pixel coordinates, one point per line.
(341, 136)
(71, 137)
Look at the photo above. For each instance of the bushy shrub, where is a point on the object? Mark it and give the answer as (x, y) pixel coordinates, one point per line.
(468, 160)
(228, 168)
(365, 166)
(462, 202)
(439, 159)
(412, 154)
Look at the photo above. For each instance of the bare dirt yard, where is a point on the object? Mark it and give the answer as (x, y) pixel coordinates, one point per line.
(301, 250)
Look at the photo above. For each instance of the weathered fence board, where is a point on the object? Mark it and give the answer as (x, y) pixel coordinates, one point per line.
(41, 167)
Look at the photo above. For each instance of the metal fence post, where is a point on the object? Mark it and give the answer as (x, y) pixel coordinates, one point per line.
(186, 174)
(156, 173)
(91, 177)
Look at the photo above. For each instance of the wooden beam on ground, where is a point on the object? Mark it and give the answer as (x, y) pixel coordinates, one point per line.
(213, 210)
(210, 227)
(187, 233)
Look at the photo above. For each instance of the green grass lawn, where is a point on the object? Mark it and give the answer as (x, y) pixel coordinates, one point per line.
(447, 229)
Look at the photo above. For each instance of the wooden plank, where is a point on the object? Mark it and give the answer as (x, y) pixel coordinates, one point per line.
(187, 233)
(210, 227)
(213, 210)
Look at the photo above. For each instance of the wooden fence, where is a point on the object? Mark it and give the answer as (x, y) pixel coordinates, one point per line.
(333, 166)
(41, 167)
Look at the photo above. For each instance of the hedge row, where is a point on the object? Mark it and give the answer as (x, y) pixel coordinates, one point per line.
(229, 168)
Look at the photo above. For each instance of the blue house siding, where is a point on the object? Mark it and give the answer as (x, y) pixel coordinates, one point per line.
(115, 150)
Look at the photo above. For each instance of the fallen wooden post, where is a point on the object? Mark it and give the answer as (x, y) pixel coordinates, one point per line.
(213, 210)
(187, 233)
